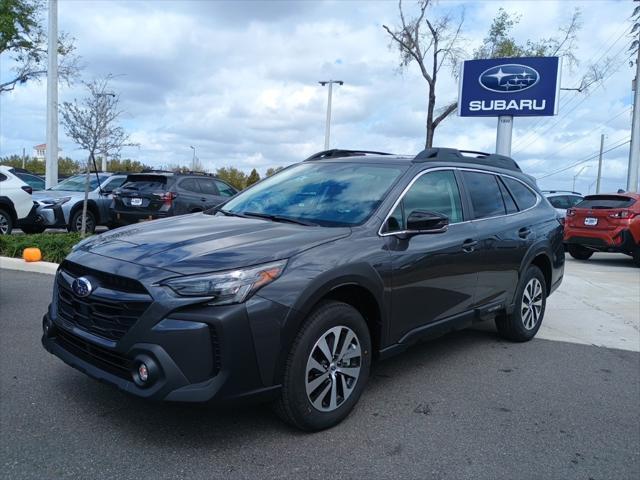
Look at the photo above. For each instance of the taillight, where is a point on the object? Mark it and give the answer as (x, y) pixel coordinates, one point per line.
(27, 189)
(571, 212)
(623, 214)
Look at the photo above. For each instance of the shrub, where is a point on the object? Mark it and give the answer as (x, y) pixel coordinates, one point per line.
(54, 246)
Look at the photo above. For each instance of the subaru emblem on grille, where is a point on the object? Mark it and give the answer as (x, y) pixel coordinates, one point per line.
(81, 287)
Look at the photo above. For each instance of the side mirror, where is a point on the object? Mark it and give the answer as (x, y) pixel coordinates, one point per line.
(423, 221)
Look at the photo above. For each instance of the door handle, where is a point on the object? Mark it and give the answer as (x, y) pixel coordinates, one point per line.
(524, 232)
(202, 199)
(469, 245)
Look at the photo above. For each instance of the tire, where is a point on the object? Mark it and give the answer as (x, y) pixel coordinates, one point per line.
(332, 391)
(32, 229)
(6, 223)
(579, 252)
(636, 256)
(75, 223)
(530, 303)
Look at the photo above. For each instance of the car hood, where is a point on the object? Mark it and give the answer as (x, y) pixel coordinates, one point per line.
(54, 194)
(205, 243)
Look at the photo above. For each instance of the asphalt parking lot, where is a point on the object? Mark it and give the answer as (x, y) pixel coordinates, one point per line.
(469, 405)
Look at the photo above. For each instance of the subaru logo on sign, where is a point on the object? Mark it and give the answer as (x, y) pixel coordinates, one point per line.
(510, 77)
(81, 287)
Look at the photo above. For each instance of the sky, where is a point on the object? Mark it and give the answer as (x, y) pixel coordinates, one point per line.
(239, 81)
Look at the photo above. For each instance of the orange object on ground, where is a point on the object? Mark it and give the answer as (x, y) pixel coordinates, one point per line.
(32, 254)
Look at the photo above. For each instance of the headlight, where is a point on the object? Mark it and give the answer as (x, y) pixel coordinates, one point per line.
(233, 286)
(55, 201)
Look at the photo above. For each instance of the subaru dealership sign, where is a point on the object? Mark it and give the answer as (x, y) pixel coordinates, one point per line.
(509, 86)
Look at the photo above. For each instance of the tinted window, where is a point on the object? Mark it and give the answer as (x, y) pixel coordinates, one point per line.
(207, 186)
(224, 189)
(524, 197)
(113, 184)
(76, 183)
(573, 200)
(330, 194)
(2, 177)
(606, 201)
(145, 183)
(485, 194)
(509, 203)
(190, 185)
(433, 192)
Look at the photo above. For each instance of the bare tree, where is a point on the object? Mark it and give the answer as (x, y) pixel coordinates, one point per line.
(24, 41)
(92, 123)
(431, 44)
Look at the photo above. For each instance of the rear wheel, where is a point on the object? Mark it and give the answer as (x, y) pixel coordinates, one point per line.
(75, 224)
(531, 300)
(579, 252)
(6, 223)
(327, 368)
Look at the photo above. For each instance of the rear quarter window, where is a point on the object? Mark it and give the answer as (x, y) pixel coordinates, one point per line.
(145, 183)
(3, 177)
(523, 195)
(486, 198)
(606, 201)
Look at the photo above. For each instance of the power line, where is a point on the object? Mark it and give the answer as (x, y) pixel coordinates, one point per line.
(585, 160)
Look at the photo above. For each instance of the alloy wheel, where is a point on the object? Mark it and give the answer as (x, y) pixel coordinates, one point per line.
(333, 368)
(88, 224)
(531, 307)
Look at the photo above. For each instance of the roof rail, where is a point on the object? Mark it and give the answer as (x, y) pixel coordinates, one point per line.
(151, 170)
(454, 155)
(561, 191)
(335, 153)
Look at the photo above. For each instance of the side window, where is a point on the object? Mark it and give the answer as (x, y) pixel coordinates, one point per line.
(224, 189)
(2, 177)
(207, 186)
(524, 197)
(485, 194)
(190, 185)
(434, 192)
(111, 185)
(573, 200)
(509, 204)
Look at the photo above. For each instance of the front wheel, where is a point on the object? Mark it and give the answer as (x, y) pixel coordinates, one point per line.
(327, 368)
(6, 223)
(75, 224)
(531, 299)
(579, 252)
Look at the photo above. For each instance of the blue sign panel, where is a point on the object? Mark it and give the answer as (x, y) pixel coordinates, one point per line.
(509, 86)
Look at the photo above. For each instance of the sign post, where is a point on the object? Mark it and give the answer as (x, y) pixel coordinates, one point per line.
(507, 88)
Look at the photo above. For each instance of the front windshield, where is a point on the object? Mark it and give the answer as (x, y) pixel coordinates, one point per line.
(328, 194)
(76, 183)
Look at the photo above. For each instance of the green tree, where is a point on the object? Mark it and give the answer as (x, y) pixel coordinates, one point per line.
(253, 177)
(272, 171)
(66, 166)
(23, 39)
(125, 165)
(232, 176)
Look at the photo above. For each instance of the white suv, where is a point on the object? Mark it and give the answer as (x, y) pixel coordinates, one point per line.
(15, 200)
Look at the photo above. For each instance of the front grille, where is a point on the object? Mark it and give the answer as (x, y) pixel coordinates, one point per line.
(114, 282)
(100, 357)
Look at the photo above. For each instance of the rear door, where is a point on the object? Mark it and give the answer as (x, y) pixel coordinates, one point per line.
(190, 197)
(210, 192)
(141, 193)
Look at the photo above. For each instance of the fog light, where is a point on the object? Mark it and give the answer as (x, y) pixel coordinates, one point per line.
(143, 372)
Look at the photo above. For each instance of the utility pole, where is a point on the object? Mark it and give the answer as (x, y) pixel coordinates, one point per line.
(599, 164)
(51, 163)
(327, 128)
(503, 135)
(634, 150)
(573, 188)
(105, 154)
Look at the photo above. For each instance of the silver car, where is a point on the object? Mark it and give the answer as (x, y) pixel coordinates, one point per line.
(562, 200)
(61, 206)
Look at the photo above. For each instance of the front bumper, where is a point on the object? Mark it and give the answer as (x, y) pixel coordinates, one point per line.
(50, 216)
(195, 352)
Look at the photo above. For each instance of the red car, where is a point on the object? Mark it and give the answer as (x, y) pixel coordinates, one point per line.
(604, 223)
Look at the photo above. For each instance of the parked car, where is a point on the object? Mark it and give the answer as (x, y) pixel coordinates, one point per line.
(604, 223)
(562, 200)
(159, 194)
(290, 289)
(16, 203)
(61, 206)
(36, 182)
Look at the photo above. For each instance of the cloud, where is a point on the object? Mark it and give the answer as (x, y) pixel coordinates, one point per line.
(238, 80)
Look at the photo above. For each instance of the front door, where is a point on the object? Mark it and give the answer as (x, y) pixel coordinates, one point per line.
(434, 274)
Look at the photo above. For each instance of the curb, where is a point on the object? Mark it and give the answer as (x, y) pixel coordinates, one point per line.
(9, 263)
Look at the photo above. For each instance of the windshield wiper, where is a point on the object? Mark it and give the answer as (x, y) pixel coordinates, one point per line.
(227, 213)
(280, 218)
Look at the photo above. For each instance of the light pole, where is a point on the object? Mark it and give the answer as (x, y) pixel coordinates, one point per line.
(193, 160)
(327, 129)
(573, 189)
(51, 165)
(104, 154)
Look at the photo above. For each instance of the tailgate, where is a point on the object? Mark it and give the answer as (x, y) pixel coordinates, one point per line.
(141, 193)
